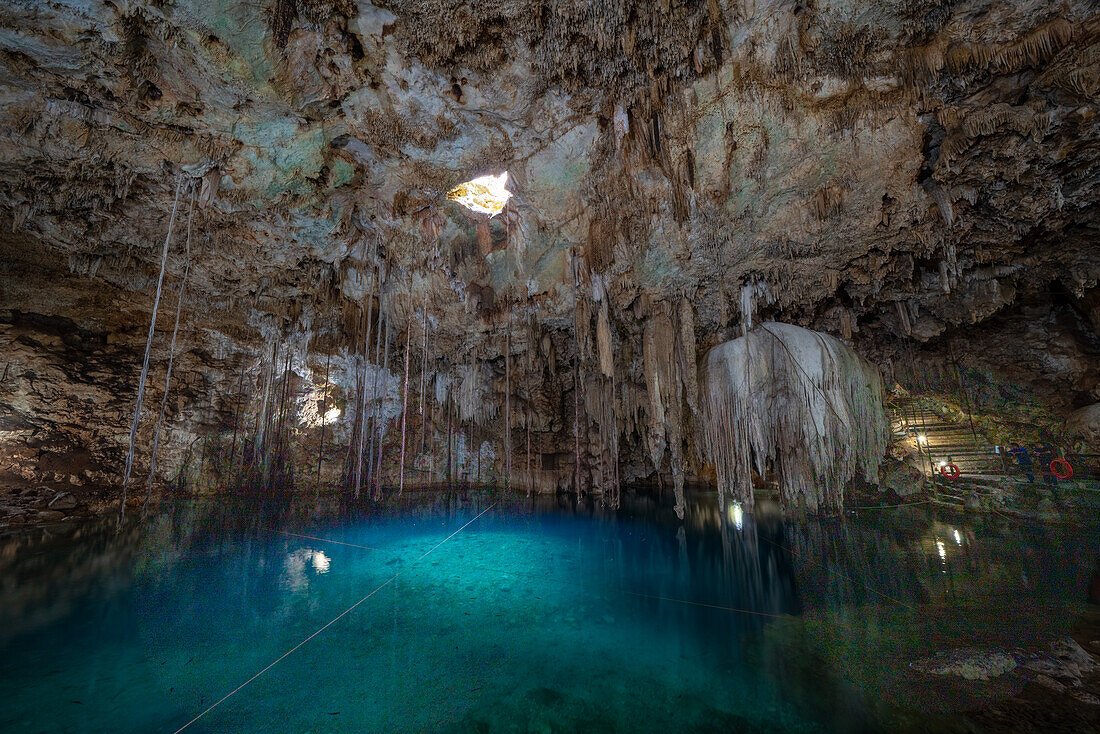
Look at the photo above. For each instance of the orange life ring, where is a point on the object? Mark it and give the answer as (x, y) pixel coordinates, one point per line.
(1063, 465)
(951, 471)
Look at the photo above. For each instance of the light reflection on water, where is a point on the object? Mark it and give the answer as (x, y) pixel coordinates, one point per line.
(541, 614)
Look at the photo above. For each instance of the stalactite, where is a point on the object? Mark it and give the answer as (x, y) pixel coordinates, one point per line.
(903, 317)
(687, 353)
(171, 359)
(752, 294)
(145, 363)
(798, 402)
(663, 385)
(604, 348)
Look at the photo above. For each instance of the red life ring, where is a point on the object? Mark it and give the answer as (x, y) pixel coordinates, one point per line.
(951, 471)
(1061, 468)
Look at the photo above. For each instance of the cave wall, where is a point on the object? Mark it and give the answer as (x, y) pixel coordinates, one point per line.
(886, 171)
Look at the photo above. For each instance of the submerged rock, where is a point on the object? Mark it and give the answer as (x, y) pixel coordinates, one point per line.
(968, 663)
(1064, 666)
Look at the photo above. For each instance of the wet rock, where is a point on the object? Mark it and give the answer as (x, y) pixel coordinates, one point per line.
(1067, 660)
(64, 501)
(49, 516)
(968, 663)
(1085, 424)
(1047, 682)
(902, 478)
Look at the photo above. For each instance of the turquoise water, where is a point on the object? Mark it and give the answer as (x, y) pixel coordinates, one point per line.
(481, 611)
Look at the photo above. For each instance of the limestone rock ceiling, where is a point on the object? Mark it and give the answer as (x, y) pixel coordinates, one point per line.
(851, 155)
(872, 167)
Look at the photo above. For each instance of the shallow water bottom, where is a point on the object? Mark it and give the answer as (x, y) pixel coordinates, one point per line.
(480, 611)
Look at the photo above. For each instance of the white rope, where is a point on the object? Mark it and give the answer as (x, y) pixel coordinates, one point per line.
(145, 364)
(329, 624)
(171, 357)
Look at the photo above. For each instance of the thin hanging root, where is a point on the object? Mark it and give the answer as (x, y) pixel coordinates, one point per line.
(374, 389)
(381, 412)
(362, 409)
(171, 360)
(404, 411)
(424, 362)
(508, 401)
(576, 382)
(324, 410)
(528, 453)
(423, 377)
(145, 364)
(237, 421)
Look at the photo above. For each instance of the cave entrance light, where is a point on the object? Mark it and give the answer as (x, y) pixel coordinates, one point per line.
(485, 194)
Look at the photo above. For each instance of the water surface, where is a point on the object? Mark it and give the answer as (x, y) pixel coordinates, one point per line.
(483, 611)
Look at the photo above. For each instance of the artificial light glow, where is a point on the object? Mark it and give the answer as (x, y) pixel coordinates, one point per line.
(331, 414)
(943, 464)
(958, 538)
(941, 549)
(922, 439)
(485, 194)
(321, 562)
(737, 515)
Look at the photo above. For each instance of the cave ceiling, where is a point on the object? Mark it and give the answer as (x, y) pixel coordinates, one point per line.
(880, 167)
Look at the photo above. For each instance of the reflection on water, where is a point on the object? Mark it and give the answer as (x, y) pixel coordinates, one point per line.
(541, 614)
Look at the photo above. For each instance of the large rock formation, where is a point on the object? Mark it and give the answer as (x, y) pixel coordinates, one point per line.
(890, 172)
(796, 403)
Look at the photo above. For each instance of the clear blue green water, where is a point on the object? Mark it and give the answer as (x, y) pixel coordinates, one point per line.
(481, 611)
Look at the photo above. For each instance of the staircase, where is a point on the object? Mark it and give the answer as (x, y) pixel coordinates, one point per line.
(940, 441)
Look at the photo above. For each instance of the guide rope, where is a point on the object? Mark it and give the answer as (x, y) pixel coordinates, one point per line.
(325, 540)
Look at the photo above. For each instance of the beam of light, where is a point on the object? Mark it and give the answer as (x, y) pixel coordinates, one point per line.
(958, 538)
(485, 194)
(922, 439)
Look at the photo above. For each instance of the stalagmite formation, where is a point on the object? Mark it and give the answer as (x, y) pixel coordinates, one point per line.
(796, 403)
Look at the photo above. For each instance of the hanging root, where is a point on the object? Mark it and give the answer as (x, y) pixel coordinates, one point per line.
(145, 363)
(171, 359)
